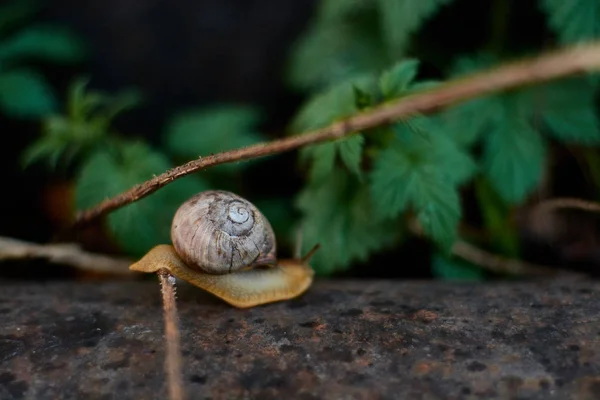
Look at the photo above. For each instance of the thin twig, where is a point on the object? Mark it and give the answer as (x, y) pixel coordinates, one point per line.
(497, 264)
(567, 203)
(502, 265)
(173, 356)
(570, 61)
(66, 254)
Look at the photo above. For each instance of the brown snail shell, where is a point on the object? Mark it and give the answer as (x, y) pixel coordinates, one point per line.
(220, 232)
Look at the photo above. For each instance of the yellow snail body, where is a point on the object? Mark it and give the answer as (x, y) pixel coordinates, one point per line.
(223, 244)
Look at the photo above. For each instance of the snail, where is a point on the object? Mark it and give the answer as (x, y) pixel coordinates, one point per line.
(224, 245)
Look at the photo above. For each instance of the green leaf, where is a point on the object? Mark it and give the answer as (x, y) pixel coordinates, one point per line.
(362, 99)
(147, 222)
(420, 143)
(42, 42)
(212, 130)
(466, 121)
(411, 176)
(25, 93)
(400, 19)
(452, 269)
(396, 81)
(568, 108)
(350, 150)
(573, 20)
(328, 106)
(514, 153)
(438, 208)
(324, 155)
(337, 213)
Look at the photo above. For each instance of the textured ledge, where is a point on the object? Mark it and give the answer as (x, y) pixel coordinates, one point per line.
(342, 340)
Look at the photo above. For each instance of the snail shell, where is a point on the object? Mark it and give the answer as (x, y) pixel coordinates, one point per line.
(223, 244)
(220, 232)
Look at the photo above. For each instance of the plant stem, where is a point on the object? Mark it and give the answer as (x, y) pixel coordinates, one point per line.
(64, 253)
(173, 356)
(568, 203)
(565, 62)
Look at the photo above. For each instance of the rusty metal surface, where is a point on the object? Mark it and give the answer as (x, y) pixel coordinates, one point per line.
(342, 340)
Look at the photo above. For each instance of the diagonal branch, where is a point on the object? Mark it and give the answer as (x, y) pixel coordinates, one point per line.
(570, 61)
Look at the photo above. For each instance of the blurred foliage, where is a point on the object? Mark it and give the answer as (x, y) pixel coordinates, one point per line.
(24, 92)
(359, 54)
(360, 190)
(106, 163)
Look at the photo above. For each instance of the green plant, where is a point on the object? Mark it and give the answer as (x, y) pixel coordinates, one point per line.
(106, 163)
(364, 193)
(24, 92)
(360, 190)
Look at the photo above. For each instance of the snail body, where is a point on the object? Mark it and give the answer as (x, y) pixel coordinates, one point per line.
(224, 245)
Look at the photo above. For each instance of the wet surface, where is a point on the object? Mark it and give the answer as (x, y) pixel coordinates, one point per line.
(341, 340)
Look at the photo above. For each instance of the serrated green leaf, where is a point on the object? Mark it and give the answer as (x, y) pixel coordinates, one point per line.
(438, 208)
(323, 157)
(452, 269)
(42, 42)
(212, 130)
(147, 222)
(573, 20)
(337, 213)
(350, 150)
(452, 159)
(362, 99)
(393, 180)
(395, 81)
(409, 173)
(514, 153)
(400, 19)
(467, 121)
(568, 108)
(25, 93)
(335, 103)
(422, 142)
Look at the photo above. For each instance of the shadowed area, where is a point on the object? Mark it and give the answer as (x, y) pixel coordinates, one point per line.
(342, 339)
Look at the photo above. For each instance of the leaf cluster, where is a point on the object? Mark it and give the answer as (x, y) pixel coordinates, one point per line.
(24, 91)
(107, 164)
(418, 168)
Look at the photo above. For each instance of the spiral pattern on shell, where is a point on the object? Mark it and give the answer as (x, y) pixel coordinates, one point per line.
(220, 232)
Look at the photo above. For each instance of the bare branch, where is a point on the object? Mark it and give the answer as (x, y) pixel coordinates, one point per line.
(567, 203)
(495, 263)
(570, 61)
(173, 356)
(67, 254)
(502, 265)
